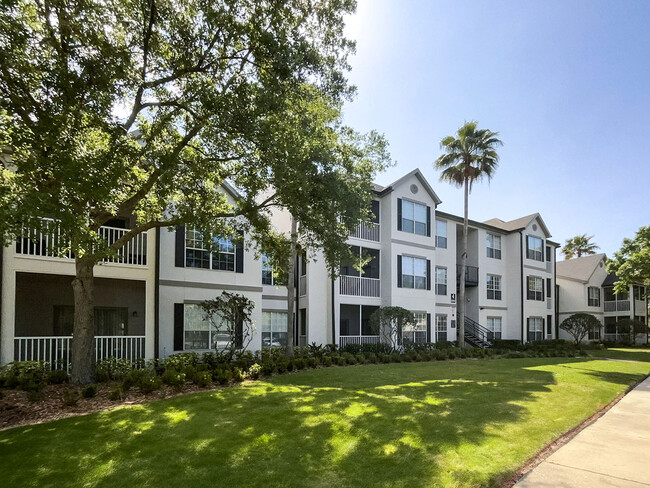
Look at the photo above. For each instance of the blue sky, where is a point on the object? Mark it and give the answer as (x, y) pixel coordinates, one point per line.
(566, 83)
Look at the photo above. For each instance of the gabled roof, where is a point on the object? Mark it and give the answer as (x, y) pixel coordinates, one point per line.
(418, 174)
(580, 268)
(610, 280)
(518, 224)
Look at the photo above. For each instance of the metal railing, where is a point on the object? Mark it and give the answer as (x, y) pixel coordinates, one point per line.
(345, 340)
(617, 306)
(56, 350)
(359, 286)
(476, 334)
(366, 231)
(471, 275)
(49, 242)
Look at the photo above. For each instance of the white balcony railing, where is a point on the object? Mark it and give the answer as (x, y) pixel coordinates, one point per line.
(368, 232)
(302, 286)
(50, 243)
(617, 306)
(359, 286)
(56, 349)
(345, 340)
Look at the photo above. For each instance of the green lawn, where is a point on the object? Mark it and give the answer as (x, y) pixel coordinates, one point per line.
(451, 423)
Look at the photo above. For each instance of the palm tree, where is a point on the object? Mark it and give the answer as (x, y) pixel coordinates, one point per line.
(579, 245)
(467, 158)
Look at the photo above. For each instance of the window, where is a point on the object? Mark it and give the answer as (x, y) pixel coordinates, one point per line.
(534, 248)
(535, 328)
(535, 288)
(108, 321)
(200, 333)
(414, 273)
(639, 293)
(494, 328)
(416, 333)
(594, 334)
(493, 246)
(593, 298)
(414, 218)
(355, 320)
(441, 328)
(274, 329)
(441, 281)
(493, 287)
(548, 253)
(267, 271)
(441, 234)
(197, 255)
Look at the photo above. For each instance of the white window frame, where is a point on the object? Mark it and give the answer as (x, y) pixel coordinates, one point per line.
(416, 333)
(441, 237)
(536, 290)
(535, 323)
(412, 217)
(495, 327)
(222, 247)
(442, 327)
(593, 301)
(215, 340)
(416, 279)
(441, 280)
(531, 248)
(493, 284)
(274, 323)
(493, 246)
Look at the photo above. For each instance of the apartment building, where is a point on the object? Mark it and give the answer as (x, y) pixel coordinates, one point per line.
(148, 297)
(584, 286)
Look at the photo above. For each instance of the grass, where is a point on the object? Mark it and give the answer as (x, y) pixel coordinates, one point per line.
(451, 423)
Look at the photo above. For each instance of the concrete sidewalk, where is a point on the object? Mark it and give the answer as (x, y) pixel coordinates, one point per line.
(614, 451)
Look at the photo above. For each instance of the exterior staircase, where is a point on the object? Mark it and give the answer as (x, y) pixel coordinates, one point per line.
(476, 335)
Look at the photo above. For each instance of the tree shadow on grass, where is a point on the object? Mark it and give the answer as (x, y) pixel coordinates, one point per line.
(415, 425)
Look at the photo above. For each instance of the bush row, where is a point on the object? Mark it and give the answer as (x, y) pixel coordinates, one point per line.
(210, 368)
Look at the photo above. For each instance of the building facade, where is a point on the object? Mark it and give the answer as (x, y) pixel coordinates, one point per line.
(148, 297)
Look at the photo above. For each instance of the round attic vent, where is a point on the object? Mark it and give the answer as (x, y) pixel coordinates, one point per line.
(601, 264)
(414, 189)
(534, 226)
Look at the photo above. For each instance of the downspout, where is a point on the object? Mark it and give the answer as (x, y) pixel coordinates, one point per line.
(296, 336)
(2, 253)
(521, 287)
(557, 295)
(156, 314)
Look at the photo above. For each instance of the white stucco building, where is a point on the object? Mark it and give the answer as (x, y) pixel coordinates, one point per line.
(147, 299)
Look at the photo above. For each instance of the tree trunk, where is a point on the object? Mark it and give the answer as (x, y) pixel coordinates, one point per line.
(291, 287)
(463, 267)
(83, 337)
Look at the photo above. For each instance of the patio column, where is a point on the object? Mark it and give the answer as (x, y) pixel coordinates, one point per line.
(8, 317)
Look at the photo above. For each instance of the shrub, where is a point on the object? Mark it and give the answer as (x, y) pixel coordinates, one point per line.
(298, 363)
(89, 391)
(315, 350)
(190, 372)
(384, 358)
(326, 361)
(25, 375)
(112, 369)
(203, 379)
(269, 367)
(341, 361)
(174, 379)
(116, 394)
(57, 377)
(149, 383)
(361, 358)
(313, 362)
(222, 376)
(371, 357)
(505, 344)
(349, 358)
(396, 357)
(238, 374)
(70, 397)
(181, 360)
(255, 371)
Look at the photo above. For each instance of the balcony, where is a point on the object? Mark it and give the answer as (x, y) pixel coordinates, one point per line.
(56, 350)
(358, 286)
(366, 231)
(617, 306)
(345, 340)
(50, 243)
(471, 275)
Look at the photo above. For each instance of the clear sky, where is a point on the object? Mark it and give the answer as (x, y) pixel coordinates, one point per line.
(566, 84)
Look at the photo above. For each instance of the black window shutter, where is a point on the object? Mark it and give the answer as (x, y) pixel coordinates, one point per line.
(399, 214)
(542, 290)
(399, 271)
(527, 329)
(428, 274)
(549, 324)
(548, 287)
(239, 253)
(180, 246)
(428, 221)
(428, 327)
(239, 334)
(179, 329)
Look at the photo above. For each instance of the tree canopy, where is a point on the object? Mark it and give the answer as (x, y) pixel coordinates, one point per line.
(147, 108)
(632, 262)
(578, 246)
(579, 325)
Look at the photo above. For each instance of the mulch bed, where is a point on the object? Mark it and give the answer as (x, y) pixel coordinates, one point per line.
(16, 409)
